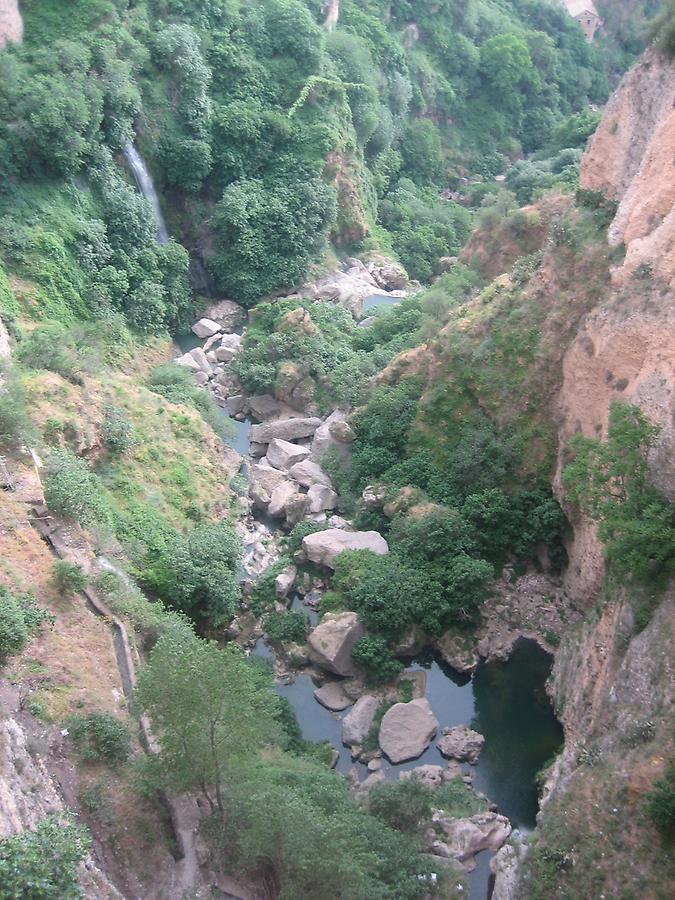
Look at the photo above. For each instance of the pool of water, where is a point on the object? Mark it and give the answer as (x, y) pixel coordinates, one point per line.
(377, 300)
(506, 702)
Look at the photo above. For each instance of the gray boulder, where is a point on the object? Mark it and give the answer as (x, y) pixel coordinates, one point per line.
(283, 454)
(187, 361)
(320, 497)
(407, 729)
(283, 583)
(466, 837)
(263, 406)
(225, 354)
(430, 776)
(461, 743)
(263, 480)
(281, 497)
(200, 358)
(356, 724)
(331, 642)
(308, 473)
(235, 404)
(332, 696)
(205, 328)
(284, 429)
(227, 314)
(333, 434)
(323, 547)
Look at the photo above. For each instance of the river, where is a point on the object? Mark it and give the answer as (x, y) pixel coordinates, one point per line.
(505, 701)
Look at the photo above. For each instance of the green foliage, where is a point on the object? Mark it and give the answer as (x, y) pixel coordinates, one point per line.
(609, 481)
(267, 232)
(377, 659)
(458, 799)
(73, 491)
(293, 541)
(19, 618)
(202, 577)
(661, 803)
(68, 577)
(15, 425)
(286, 626)
(118, 431)
(282, 813)
(662, 29)
(210, 707)
(176, 385)
(47, 347)
(100, 736)
(404, 805)
(42, 864)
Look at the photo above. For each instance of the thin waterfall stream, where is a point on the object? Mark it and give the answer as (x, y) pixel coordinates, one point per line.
(147, 189)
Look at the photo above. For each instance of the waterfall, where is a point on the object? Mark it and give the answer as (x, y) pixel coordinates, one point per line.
(147, 188)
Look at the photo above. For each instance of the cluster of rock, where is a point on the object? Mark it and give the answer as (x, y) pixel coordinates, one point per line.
(287, 481)
(208, 363)
(351, 285)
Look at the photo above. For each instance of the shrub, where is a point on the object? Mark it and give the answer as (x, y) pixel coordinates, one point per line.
(377, 659)
(19, 618)
(661, 803)
(42, 864)
(404, 805)
(286, 626)
(118, 432)
(67, 577)
(100, 736)
(177, 386)
(15, 427)
(48, 347)
(73, 491)
(301, 530)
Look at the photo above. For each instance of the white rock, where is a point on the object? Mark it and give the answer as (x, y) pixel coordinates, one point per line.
(332, 696)
(308, 473)
(356, 724)
(320, 498)
(280, 498)
(187, 361)
(205, 328)
(285, 429)
(200, 358)
(284, 454)
(466, 837)
(323, 547)
(231, 341)
(225, 354)
(407, 729)
(283, 583)
(461, 743)
(331, 642)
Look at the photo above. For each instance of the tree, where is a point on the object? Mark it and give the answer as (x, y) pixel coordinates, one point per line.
(609, 480)
(203, 564)
(42, 864)
(210, 708)
(404, 805)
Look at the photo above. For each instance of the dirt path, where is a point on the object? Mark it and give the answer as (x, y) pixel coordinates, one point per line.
(11, 23)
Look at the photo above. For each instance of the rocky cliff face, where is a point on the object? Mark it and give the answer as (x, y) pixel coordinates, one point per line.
(612, 679)
(625, 348)
(630, 161)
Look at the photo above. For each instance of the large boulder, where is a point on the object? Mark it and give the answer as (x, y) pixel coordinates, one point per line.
(461, 743)
(187, 361)
(284, 429)
(205, 328)
(283, 583)
(333, 434)
(263, 480)
(282, 495)
(331, 642)
(227, 314)
(283, 454)
(320, 497)
(388, 274)
(200, 358)
(407, 729)
(263, 406)
(431, 776)
(323, 547)
(356, 724)
(308, 473)
(332, 696)
(466, 837)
